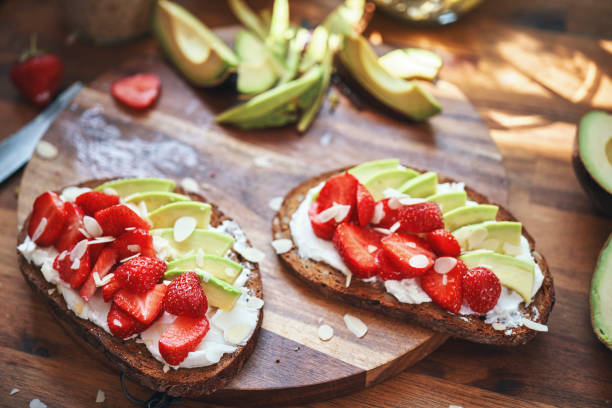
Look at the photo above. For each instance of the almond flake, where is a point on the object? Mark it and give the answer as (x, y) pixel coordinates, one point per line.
(76, 264)
(418, 261)
(444, 279)
(276, 203)
(62, 255)
(534, 325)
(395, 226)
(133, 248)
(129, 228)
(166, 368)
(251, 254)
(254, 302)
(262, 161)
(326, 332)
(129, 257)
(383, 231)
(46, 150)
(190, 185)
(92, 226)
(105, 279)
(36, 403)
(72, 192)
(237, 333)
(14, 391)
(102, 240)
(183, 228)
(39, 229)
(199, 257)
(96, 278)
(394, 203)
(349, 276)
(51, 291)
(342, 213)
(355, 325)
(379, 213)
(84, 232)
(79, 250)
(498, 326)
(445, 264)
(100, 397)
(110, 191)
(282, 245)
(407, 200)
(372, 249)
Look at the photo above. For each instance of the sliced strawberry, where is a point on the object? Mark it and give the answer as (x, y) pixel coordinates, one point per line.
(47, 220)
(73, 265)
(421, 217)
(409, 253)
(121, 324)
(140, 274)
(137, 91)
(443, 243)
(182, 337)
(481, 289)
(143, 306)
(71, 234)
(340, 189)
(323, 230)
(389, 216)
(185, 296)
(93, 201)
(365, 205)
(104, 264)
(386, 269)
(115, 219)
(357, 246)
(109, 290)
(132, 242)
(444, 289)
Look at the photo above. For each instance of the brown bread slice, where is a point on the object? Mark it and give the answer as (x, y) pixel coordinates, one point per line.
(133, 358)
(373, 296)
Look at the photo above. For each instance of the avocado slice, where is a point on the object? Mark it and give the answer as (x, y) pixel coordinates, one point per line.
(377, 184)
(592, 158)
(294, 52)
(513, 273)
(410, 63)
(601, 295)
(196, 51)
(469, 214)
(256, 70)
(421, 186)
(218, 293)
(346, 18)
(367, 170)
(128, 186)
(211, 242)
(316, 49)
(449, 201)
(222, 268)
(247, 17)
(404, 97)
(279, 24)
(166, 216)
(155, 199)
(489, 235)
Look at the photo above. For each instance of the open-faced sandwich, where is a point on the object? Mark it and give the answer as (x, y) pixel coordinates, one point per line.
(418, 247)
(149, 275)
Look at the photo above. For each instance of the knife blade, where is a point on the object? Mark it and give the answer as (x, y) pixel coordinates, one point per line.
(17, 149)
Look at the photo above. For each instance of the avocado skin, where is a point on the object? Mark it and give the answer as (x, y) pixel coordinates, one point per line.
(606, 339)
(601, 199)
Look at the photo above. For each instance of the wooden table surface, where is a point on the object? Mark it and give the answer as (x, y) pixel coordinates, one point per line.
(530, 67)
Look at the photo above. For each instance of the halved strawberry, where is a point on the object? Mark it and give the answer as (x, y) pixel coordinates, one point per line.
(357, 246)
(104, 264)
(132, 242)
(481, 289)
(365, 205)
(47, 220)
(443, 243)
(185, 296)
(143, 306)
(109, 290)
(340, 189)
(421, 217)
(137, 91)
(383, 215)
(121, 324)
(140, 274)
(409, 253)
(444, 288)
(182, 337)
(323, 230)
(386, 269)
(93, 201)
(71, 234)
(115, 219)
(73, 264)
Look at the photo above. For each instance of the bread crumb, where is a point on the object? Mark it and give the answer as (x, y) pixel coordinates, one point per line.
(166, 368)
(46, 150)
(14, 391)
(326, 332)
(276, 203)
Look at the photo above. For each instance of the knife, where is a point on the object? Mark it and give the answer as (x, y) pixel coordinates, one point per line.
(17, 149)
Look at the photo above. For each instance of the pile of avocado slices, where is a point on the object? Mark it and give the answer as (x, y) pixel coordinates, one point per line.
(283, 71)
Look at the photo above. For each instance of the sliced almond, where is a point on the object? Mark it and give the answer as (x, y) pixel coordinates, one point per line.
(190, 185)
(372, 249)
(92, 226)
(110, 191)
(282, 245)
(498, 326)
(355, 325)
(129, 258)
(39, 229)
(183, 228)
(36, 403)
(251, 254)
(534, 325)
(134, 248)
(276, 203)
(102, 240)
(100, 397)
(395, 226)
(325, 332)
(237, 333)
(379, 213)
(262, 161)
(79, 250)
(14, 391)
(418, 261)
(254, 302)
(444, 264)
(342, 213)
(46, 150)
(166, 368)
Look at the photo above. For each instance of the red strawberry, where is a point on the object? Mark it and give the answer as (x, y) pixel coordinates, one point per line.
(182, 337)
(143, 306)
(73, 265)
(37, 75)
(121, 324)
(93, 201)
(409, 253)
(421, 217)
(134, 241)
(47, 220)
(357, 246)
(115, 219)
(103, 266)
(137, 91)
(323, 230)
(71, 234)
(109, 290)
(481, 289)
(185, 296)
(390, 215)
(443, 243)
(386, 269)
(365, 205)
(340, 189)
(444, 288)
(140, 274)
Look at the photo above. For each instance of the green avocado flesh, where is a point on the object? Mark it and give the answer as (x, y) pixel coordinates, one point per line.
(377, 184)
(248, 18)
(513, 273)
(128, 186)
(256, 71)
(315, 50)
(595, 147)
(211, 242)
(469, 214)
(195, 50)
(367, 170)
(218, 293)
(166, 216)
(222, 268)
(449, 201)
(601, 295)
(405, 97)
(346, 18)
(410, 63)
(155, 199)
(490, 235)
(421, 186)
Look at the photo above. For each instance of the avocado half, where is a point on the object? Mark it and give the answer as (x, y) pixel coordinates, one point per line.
(601, 295)
(592, 158)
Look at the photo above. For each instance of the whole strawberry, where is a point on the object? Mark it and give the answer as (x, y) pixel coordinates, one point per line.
(481, 289)
(37, 75)
(185, 296)
(421, 217)
(140, 274)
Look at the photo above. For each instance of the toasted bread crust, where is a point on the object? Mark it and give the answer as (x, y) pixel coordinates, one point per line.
(133, 358)
(373, 296)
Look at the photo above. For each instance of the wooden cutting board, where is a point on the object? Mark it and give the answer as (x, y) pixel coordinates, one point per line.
(241, 172)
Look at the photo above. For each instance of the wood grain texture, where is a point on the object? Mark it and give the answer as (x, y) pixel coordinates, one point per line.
(531, 113)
